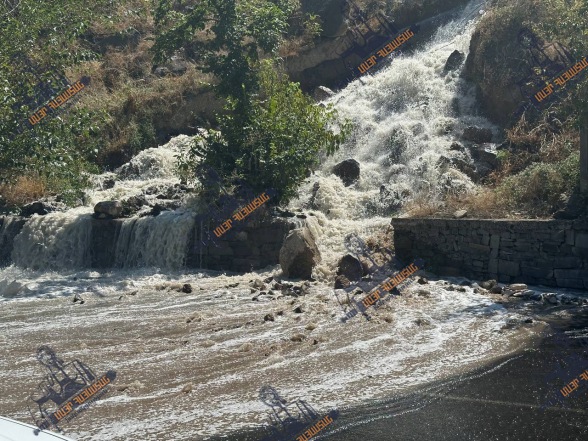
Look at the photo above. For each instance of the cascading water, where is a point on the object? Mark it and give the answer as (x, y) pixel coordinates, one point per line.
(406, 116)
(154, 241)
(54, 241)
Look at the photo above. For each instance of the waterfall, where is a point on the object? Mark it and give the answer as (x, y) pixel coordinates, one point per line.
(406, 116)
(160, 241)
(54, 241)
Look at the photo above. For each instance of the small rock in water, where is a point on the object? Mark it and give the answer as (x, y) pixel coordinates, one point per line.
(257, 283)
(207, 343)
(496, 290)
(537, 297)
(460, 289)
(280, 313)
(78, 298)
(422, 321)
(310, 326)
(341, 282)
(423, 281)
(187, 388)
(517, 287)
(507, 292)
(268, 318)
(246, 347)
(489, 284)
(298, 310)
(550, 298)
(423, 292)
(298, 337)
(529, 320)
(187, 288)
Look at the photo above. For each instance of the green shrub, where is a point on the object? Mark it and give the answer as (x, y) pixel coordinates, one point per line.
(286, 132)
(539, 187)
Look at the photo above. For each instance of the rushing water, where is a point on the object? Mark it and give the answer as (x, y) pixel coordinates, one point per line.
(136, 320)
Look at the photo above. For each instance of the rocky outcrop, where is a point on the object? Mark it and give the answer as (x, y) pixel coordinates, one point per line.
(108, 209)
(348, 171)
(477, 134)
(299, 254)
(454, 61)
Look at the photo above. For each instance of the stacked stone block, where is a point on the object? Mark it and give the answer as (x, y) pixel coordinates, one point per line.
(547, 252)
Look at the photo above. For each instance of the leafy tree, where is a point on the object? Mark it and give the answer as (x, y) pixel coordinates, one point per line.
(272, 133)
(283, 138)
(44, 32)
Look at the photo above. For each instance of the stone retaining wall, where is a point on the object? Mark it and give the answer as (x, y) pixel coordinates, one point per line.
(547, 252)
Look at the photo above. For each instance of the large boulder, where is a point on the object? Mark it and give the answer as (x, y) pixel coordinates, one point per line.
(477, 134)
(299, 254)
(350, 267)
(454, 61)
(108, 209)
(347, 170)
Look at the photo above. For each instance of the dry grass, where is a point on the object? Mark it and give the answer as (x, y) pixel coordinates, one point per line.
(482, 204)
(26, 189)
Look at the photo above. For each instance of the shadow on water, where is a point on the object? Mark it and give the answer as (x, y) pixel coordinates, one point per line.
(500, 401)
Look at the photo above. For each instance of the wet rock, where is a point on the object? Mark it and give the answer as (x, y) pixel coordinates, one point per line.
(268, 280)
(422, 321)
(489, 284)
(550, 298)
(269, 318)
(187, 288)
(496, 290)
(257, 283)
(311, 327)
(299, 254)
(322, 93)
(424, 293)
(187, 388)
(298, 310)
(422, 281)
(460, 289)
(108, 209)
(133, 204)
(454, 61)
(341, 282)
(315, 342)
(507, 292)
(537, 297)
(108, 183)
(477, 134)
(456, 146)
(350, 267)
(246, 347)
(207, 343)
(298, 337)
(348, 171)
(526, 294)
(517, 287)
(78, 298)
(34, 208)
(280, 313)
